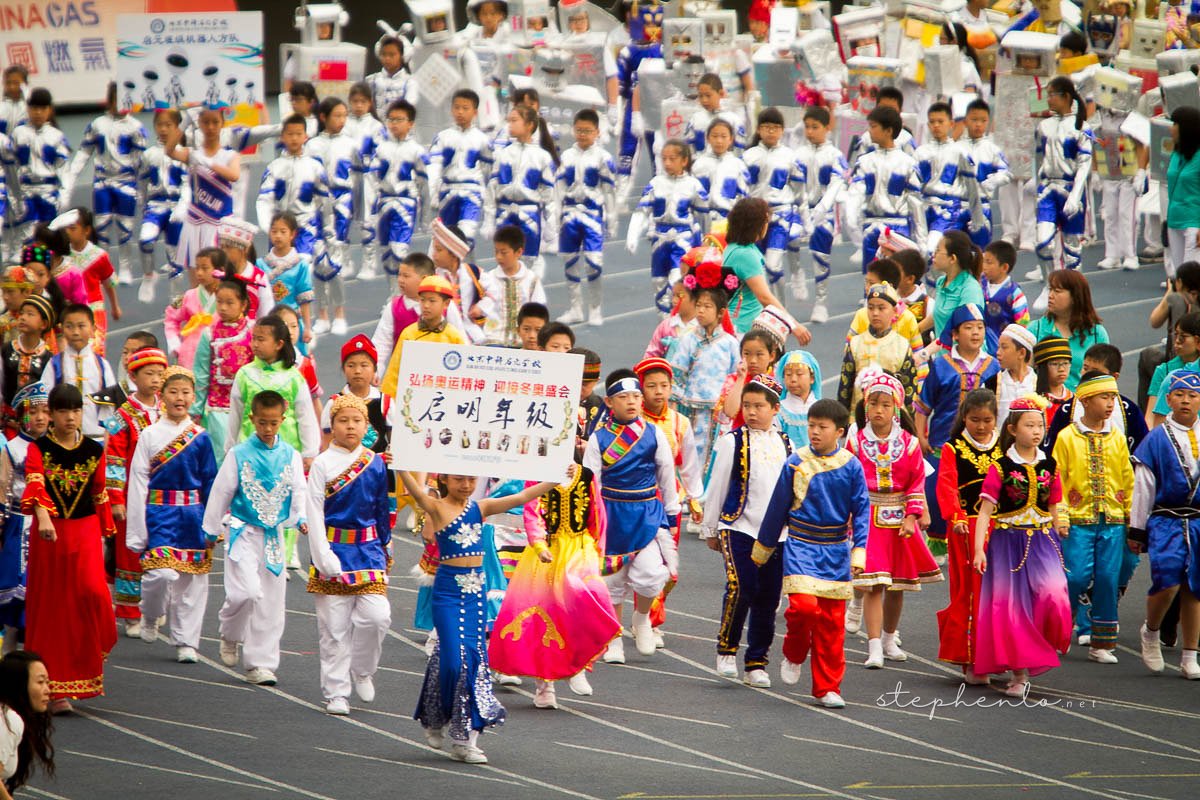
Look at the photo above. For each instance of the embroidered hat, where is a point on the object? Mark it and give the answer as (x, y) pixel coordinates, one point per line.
(883, 382)
(647, 365)
(236, 232)
(1022, 336)
(884, 291)
(765, 381)
(804, 358)
(347, 400)
(360, 344)
(777, 322)
(969, 312)
(622, 386)
(1186, 379)
(42, 306)
(64, 220)
(892, 242)
(451, 238)
(32, 394)
(145, 357)
(15, 277)
(36, 254)
(436, 284)
(1052, 348)
(1100, 384)
(591, 363)
(178, 373)
(1029, 402)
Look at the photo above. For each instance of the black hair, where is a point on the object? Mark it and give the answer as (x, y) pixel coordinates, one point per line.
(1187, 276)
(957, 33)
(1187, 119)
(146, 338)
(886, 270)
(171, 113)
(746, 220)
(554, 329)
(959, 246)
(284, 308)
(39, 726)
(420, 263)
(545, 139)
(818, 113)
(525, 95)
(325, 109)
(238, 288)
(510, 235)
(404, 107)
(684, 148)
(1004, 252)
(912, 263)
(392, 41)
(831, 410)
(21, 69)
(216, 256)
(65, 397)
(940, 108)
(887, 117)
(589, 116)
(78, 308)
(362, 89)
(891, 93)
(267, 398)
(287, 218)
(712, 80)
(54, 240)
(753, 387)
(41, 98)
(1043, 377)
(279, 330)
(717, 294)
(1073, 41)
(87, 220)
(533, 311)
(906, 417)
(768, 116)
(1189, 323)
(619, 375)
(721, 123)
(1107, 354)
(979, 105)
(294, 119)
(1006, 438)
(768, 340)
(466, 94)
(976, 398)
(1064, 85)
(303, 89)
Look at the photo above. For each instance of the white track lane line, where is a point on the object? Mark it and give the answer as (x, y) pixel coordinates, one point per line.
(409, 764)
(212, 778)
(181, 678)
(1076, 740)
(173, 722)
(628, 710)
(43, 793)
(876, 752)
(737, 774)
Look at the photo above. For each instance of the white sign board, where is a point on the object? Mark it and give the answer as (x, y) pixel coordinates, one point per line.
(486, 411)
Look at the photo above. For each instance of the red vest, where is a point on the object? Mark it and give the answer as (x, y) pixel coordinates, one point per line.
(402, 317)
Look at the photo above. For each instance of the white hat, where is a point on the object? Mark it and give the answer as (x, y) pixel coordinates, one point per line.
(236, 231)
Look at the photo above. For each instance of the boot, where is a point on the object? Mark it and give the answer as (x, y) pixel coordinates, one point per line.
(662, 296)
(798, 280)
(820, 312)
(370, 260)
(126, 261)
(574, 314)
(595, 296)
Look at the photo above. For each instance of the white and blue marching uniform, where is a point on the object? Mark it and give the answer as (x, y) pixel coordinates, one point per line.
(161, 184)
(341, 158)
(368, 132)
(671, 208)
(773, 177)
(991, 172)
(117, 144)
(41, 155)
(628, 60)
(299, 185)
(586, 186)
(823, 172)
(12, 114)
(398, 184)
(948, 186)
(886, 190)
(459, 163)
(387, 89)
(725, 178)
(696, 132)
(1064, 158)
(521, 193)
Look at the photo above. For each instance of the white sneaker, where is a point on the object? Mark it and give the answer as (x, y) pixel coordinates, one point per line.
(615, 654)
(1084, 639)
(133, 629)
(659, 641)
(1109, 263)
(149, 630)
(229, 653)
(321, 326)
(365, 689)
(1152, 650)
(758, 678)
(1189, 669)
(124, 276)
(572, 316)
(434, 737)
(853, 618)
(545, 696)
(1039, 305)
(430, 643)
(339, 326)
(595, 317)
(1017, 688)
(820, 314)
(1034, 274)
(367, 273)
(146, 290)
(789, 672)
(1130, 264)
(832, 700)
(261, 677)
(727, 666)
(467, 754)
(338, 707)
(874, 654)
(1102, 656)
(643, 634)
(891, 648)
(799, 287)
(507, 680)
(186, 655)
(578, 684)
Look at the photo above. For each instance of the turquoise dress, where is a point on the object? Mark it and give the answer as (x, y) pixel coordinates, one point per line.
(1079, 342)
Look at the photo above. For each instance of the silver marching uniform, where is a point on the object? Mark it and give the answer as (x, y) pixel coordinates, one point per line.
(520, 191)
(991, 172)
(459, 164)
(947, 178)
(773, 177)
(398, 183)
(387, 89)
(1064, 159)
(367, 131)
(41, 156)
(670, 209)
(726, 178)
(161, 184)
(822, 179)
(885, 191)
(586, 187)
(300, 186)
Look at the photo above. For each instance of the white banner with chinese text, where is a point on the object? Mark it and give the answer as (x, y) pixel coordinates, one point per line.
(486, 411)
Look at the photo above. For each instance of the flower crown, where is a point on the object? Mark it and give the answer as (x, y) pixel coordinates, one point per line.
(711, 275)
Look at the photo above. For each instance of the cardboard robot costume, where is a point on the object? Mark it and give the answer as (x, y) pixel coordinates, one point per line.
(441, 63)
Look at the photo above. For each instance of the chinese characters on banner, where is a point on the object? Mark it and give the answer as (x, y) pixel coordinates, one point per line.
(485, 411)
(192, 59)
(68, 47)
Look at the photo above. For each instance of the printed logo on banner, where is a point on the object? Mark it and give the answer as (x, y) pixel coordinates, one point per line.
(452, 360)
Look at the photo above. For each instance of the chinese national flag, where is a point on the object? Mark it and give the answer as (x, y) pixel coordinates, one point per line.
(333, 71)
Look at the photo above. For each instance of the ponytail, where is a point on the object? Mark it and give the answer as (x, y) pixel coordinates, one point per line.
(963, 250)
(279, 331)
(1065, 85)
(546, 139)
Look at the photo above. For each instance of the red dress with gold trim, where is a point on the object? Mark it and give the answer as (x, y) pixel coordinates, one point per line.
(69, 618)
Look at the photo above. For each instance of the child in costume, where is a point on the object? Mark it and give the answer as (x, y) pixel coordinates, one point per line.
(1016, 377)
(721, 172)
(966, 458)
(351, 553)
(991, 165)
(760, 348)
(170, 476)
(33, 418)
(460, 159)
(898, 559)
(398, 184)
(78, 364)
(236, 238)
(1004, 302)
(69, 619)
(41, 152)
(880, 346)
(16, 284)
(93, 265)
(214, 169)
(261, 486)
(774, 174)
(520, 188)
(948, 182)
(223, 349)
(160, 185)
(823, 170)
(295, 183)
(290, 275)
(1052, 360)
(393, 83)
(635, 468)
(669, 331)
(456, 695)
(746, 462)
(24, 359)
(820, 499)
(437, 296)
(139, 411)
(504, 290)
(1024, 618)
(193, 312)
(365, 129)
(800, 375)
(1164, 507)
(1097, 481)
